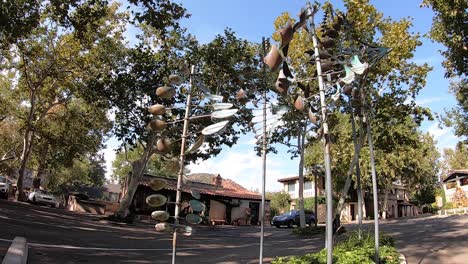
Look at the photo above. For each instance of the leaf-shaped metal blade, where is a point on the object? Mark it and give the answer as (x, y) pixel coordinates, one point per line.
(336, 96)
(198, 143)
(357, 66)
(349, 78)
(221, 114)
(214, 128)
(166, 92)
(164, 227)
(287, 71)
(197, 205)
(312, 117)
(193, 219)
(176, 79)
(221, 106)
(184, 230)
(156, 200)
(287, 34)
(157, 184)
(160, 215)
(273, 59)
(157, 109)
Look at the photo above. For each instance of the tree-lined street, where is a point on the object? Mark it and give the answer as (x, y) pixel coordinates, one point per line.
(56, 236)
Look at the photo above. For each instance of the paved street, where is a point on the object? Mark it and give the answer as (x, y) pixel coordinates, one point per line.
(431, 239)
(57, 236)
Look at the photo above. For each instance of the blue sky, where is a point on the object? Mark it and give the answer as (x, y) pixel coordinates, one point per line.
(253, 20)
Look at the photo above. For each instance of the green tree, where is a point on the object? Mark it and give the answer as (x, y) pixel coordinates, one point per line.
(458, 115)
(395, 117)
(19, 18)
(53, 68)
(130, 90)
(456, 159)
(279, 202)
(86, 171)
(449, 28)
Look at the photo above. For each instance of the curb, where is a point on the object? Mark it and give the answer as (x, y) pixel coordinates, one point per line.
(402, 259)
(17, 252)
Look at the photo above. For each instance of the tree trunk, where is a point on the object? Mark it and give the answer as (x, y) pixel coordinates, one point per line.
(27, 145)
(134, 179)
(138, 168)
(349, 173)
(385, 204)
(41, 170)
(300, 141)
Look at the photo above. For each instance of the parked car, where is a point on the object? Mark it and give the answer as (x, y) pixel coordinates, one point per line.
(293, 218)
(4, 187)
(43, 197)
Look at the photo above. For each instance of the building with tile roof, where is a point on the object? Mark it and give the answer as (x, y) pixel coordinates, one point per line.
(227, 202)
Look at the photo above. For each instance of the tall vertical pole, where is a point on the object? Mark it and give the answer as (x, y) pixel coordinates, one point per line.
(316, 196)
(358, 173)
(182, 164)
(326, 145)
(374, 190)
(264, 150)
(366, 113)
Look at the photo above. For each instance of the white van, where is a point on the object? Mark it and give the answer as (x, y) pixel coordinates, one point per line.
(4, 187)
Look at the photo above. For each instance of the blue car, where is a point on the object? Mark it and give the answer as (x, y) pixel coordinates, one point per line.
(292, 218)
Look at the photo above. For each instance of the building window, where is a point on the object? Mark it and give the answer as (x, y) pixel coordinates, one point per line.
(291, 187)
(308, 185)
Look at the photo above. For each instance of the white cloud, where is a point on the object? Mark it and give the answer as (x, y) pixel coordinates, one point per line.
(444, 136)
(427, 101)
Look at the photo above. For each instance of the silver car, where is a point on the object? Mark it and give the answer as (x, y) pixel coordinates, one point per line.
(43, 197)
(4, 186)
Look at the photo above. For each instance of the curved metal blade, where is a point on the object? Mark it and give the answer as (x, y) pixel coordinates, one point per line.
(214, 128)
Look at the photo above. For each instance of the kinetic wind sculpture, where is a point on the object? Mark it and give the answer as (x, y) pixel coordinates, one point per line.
(219, 113)
(338, 74)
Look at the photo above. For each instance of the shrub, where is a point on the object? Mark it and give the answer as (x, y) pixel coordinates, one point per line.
(308, 231)
(352, 250)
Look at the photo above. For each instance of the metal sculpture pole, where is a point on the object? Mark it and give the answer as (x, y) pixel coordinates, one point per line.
(358, 174)
(326, 145)
(182, 164)
(264, 150)
(374, 190)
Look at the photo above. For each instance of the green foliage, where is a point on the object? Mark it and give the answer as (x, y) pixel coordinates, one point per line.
(350, 251)
(82, 172)
(279, 202)
(458, 115)
(122, 165)
(309, 203)
(447, 205)
(308, 231)
(449, 28)
(455, 159)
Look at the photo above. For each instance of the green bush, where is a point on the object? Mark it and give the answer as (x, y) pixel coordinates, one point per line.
(308, 231)
(350, 251)
(448, 205)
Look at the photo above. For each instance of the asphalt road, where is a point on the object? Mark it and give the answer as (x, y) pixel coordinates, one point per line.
(58, 236)
(433, 239)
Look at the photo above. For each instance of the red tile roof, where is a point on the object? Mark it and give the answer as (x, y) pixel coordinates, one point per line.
(202, 184)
